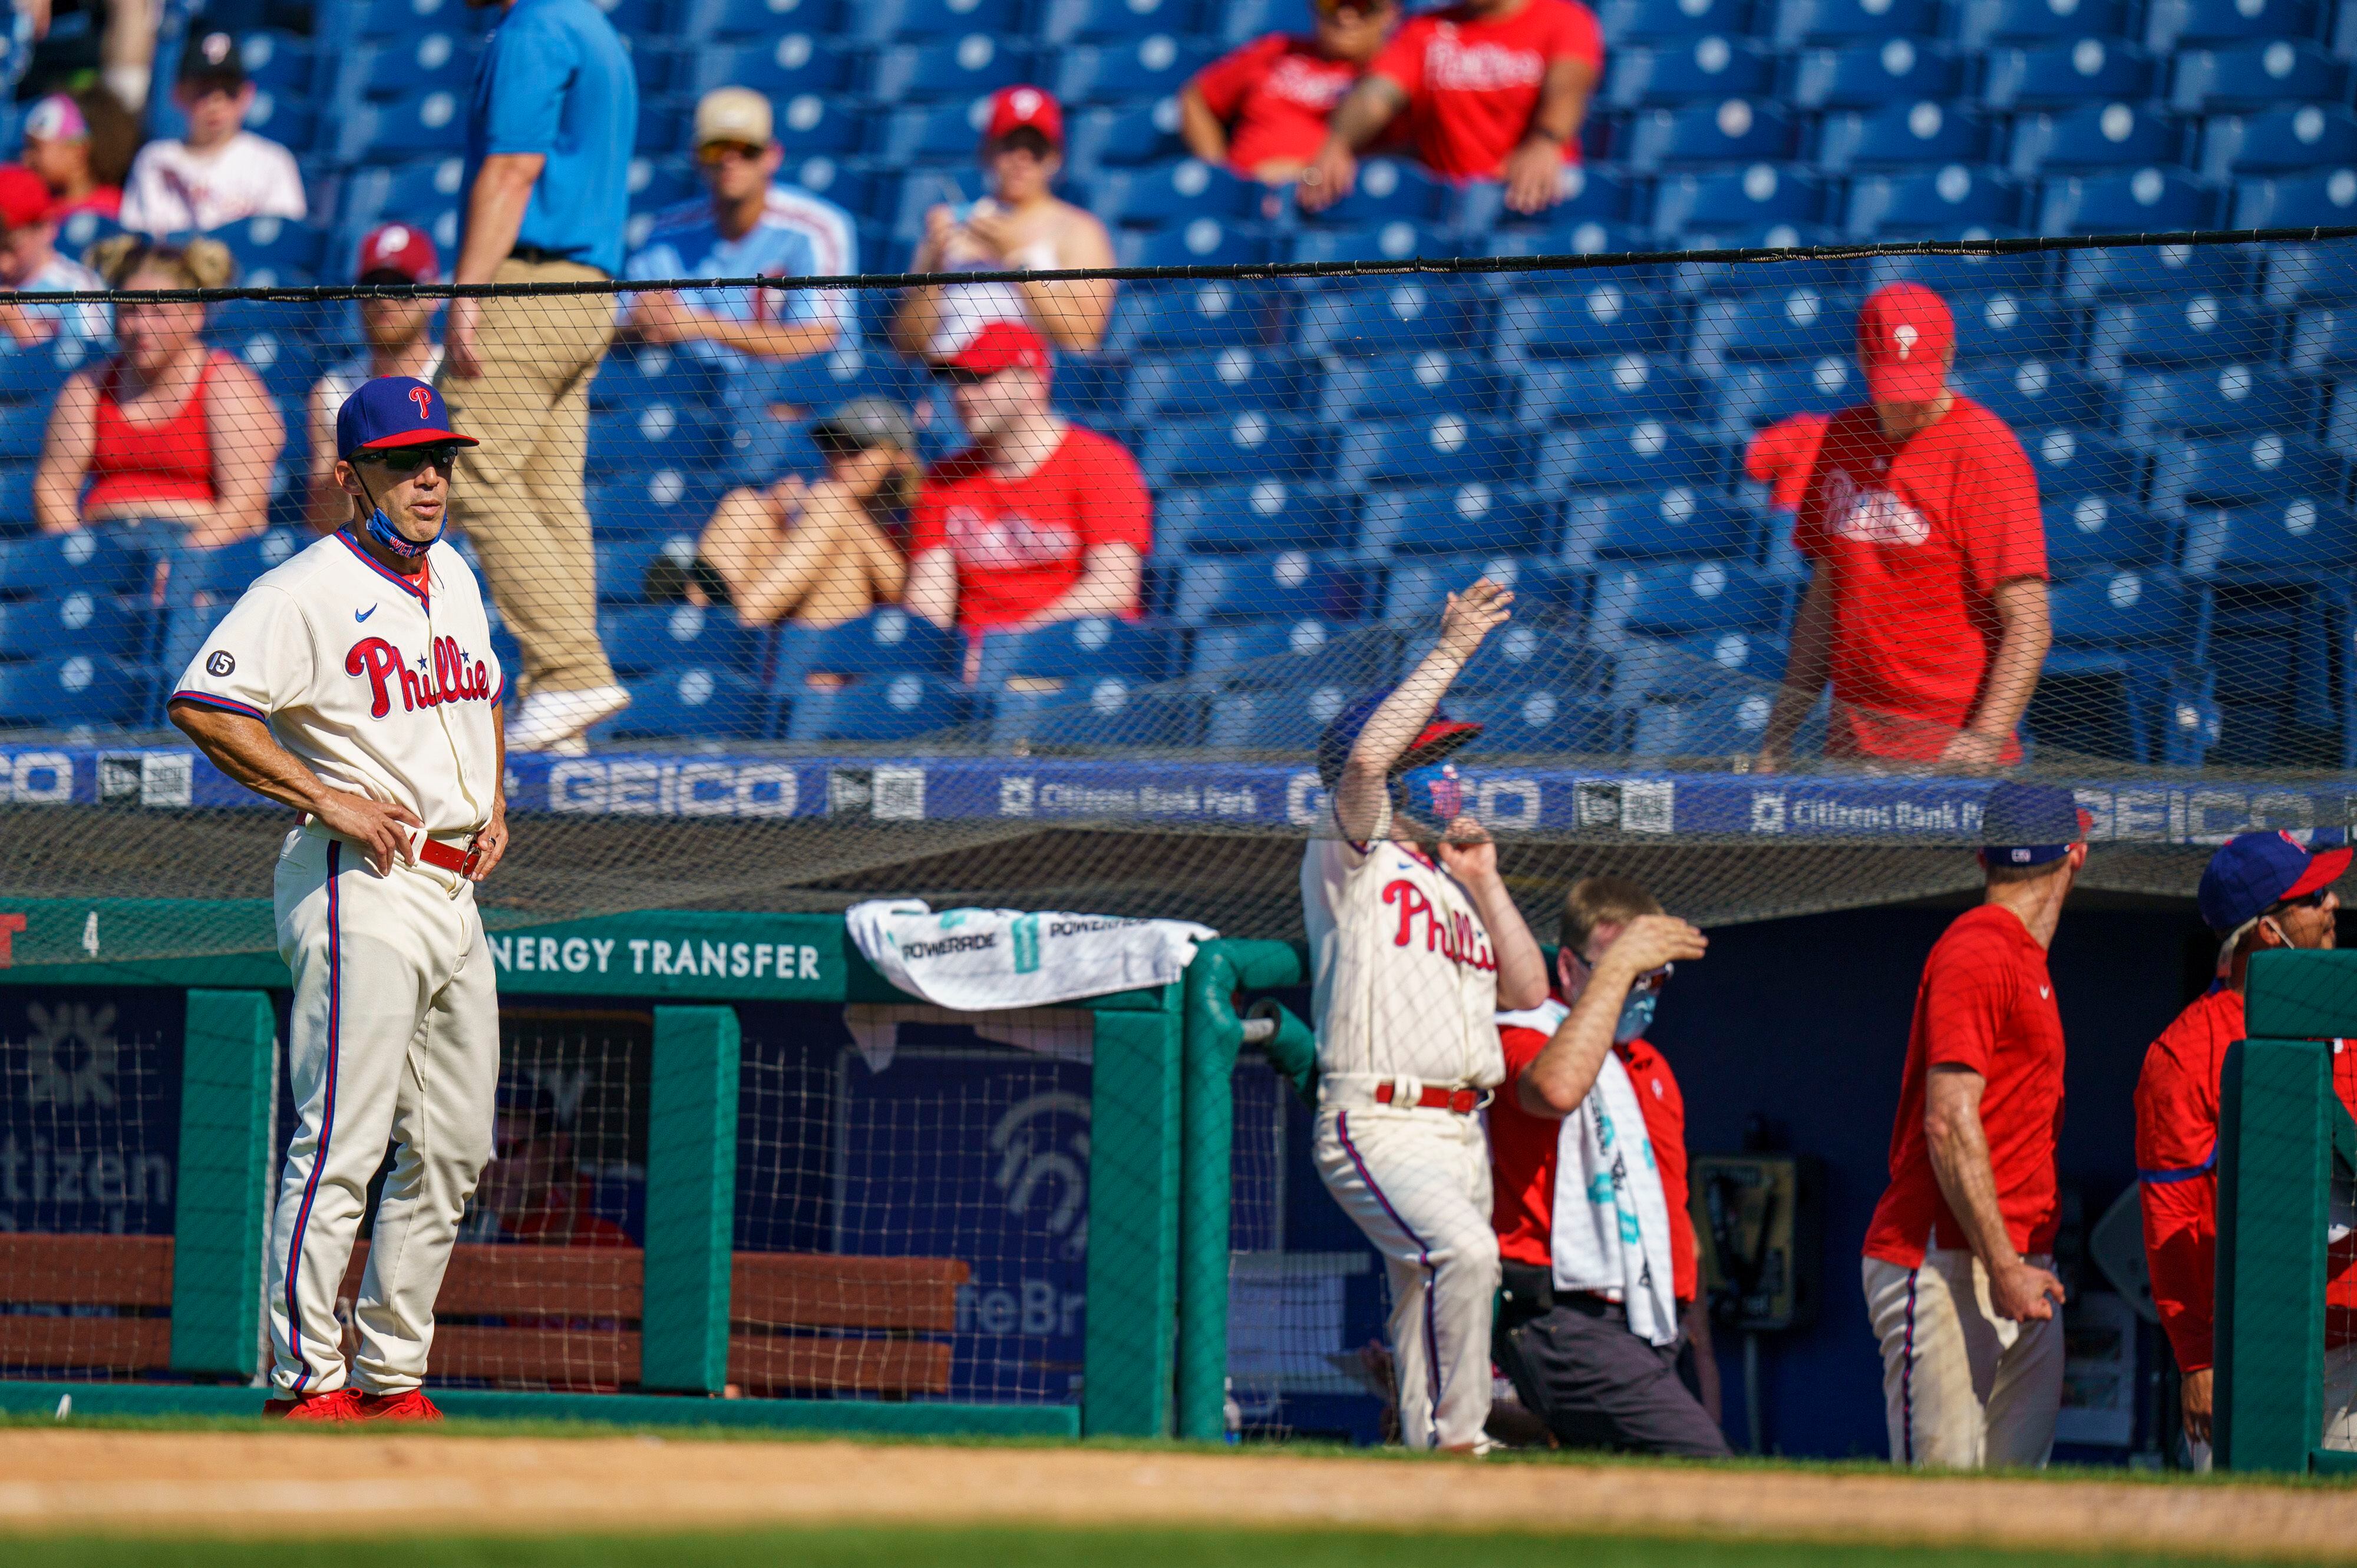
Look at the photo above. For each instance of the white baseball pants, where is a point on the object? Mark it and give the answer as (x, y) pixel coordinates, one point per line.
(394, 1035)
(1961, 1386)
(1417, 1182)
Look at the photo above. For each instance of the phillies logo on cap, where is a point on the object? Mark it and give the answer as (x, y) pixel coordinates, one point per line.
(423, 398)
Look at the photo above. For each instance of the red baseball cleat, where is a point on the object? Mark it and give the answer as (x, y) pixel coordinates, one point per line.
(343, 1404)
(410, 1405)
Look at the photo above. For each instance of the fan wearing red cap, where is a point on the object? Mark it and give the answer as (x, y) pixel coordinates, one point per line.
(1021, 226)
(1926, 607)
(2261, 892)
(400, 343)
(1039, 520)
(29, 264)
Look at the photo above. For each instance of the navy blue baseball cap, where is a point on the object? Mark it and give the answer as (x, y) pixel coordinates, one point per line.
(1440, 737)
(2029, 824)
(395, 411)
(2254, 871)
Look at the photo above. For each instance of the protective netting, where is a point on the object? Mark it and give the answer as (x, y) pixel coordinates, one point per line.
(1082, 660)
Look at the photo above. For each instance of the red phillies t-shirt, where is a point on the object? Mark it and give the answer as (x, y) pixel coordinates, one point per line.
(1020, 542)
(1275, 95)
(1917, 535)
(1784, 455)
(1472, 82)
(1986, 1003)
(2177, 1177)
(1523, 1154)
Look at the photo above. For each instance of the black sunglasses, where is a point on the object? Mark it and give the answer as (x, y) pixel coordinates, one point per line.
(2304, 901)
(409, 460)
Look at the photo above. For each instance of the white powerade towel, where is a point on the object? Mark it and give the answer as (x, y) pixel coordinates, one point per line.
(1611, 1231)
(978, 960)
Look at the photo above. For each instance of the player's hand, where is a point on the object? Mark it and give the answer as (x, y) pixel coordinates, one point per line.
(659, 317)
(2193, 1397)
(1971, 752)
(2024, 1292)
(1473, 615)
(1534, 174)
(492, 841)
(1328, 178)
(1469, 851)
(377, 826)
(1650, 941)
(459, 338)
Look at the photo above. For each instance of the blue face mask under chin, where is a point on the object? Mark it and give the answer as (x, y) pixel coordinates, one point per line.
(1636, 1016)
(381, 529)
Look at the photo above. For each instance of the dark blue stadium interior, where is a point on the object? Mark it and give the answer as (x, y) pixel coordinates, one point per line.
(1329, 456)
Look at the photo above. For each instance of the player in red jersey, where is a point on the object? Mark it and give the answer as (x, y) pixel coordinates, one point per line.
(1491, 89)
(1959, 1267)
(1261, 110)
(1926, 605)
(2260, 891)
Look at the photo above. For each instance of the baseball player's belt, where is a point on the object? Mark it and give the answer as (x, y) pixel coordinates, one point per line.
(449, 857)
(1434, 1097)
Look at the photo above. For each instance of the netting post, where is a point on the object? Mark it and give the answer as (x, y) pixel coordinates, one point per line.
(1214, 1034)
(1133, 1123)
(691, 1200)
(222, 1212)
(2275, 1149)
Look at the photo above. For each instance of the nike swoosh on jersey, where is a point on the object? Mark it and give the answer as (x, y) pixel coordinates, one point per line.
(2043, 992)
(363, 615)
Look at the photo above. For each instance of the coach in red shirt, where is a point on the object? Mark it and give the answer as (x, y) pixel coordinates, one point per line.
(1261, 110)
(1039, 520)
(1959, 1268)
(1927, 604)
(2260, 891)
(1491, 89)
(1574, 1330)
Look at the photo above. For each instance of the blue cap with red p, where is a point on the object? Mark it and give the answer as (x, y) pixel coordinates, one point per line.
(395, 411)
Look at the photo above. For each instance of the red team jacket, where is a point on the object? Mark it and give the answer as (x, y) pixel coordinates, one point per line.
(2177, 1175)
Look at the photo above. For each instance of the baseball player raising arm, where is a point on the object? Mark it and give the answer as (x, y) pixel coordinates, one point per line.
(1412, 953)
(356, 683)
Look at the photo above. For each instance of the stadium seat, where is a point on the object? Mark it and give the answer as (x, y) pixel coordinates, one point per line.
(1254, 515)
(2303, 274)
(1586, 237)
(2122, 679)
(953, 69)
(756, 449)
(1224, 447)
(1585, 320)
(1285, 720)
(70, 690)
(2128, 272)
(1870, 75)
(928, 134)
(2256, 76)
(1582, 191)
(659, 637)
(1387, 190)
(886, 642)
(1240, 21)
(2063, 75)
(1161, 318)
(1176, 192)
(31, 377)
(98, 559)
(1677, 524)
(1798, 22)
(2173, 24)
(80, 620)
(2025, 274)
(825, 382)
(1711, 68)
(1291, 586)
(1735, 130)
(2302, 538)
(647, 375)
(1216, 381)
(1417, 383)
(1476, 517)
(1106, 21)
(283, 244)
(1073, 650)
(372, 19)
(276, 61)
(2244, 470)
(1728, 722)
(1529, 653)
(2074, 462)
(888, 20)
(888, 708)
(1305, 652)
(1682, 598)
(1758, 194)
(1396, 241)
(2092, 531)
(2214, 400)
(1542, 720)
(399, 128)
(1894, 206)
(2035, 394)
(1360, 320)
(2011, 327)
(1124, 137)
(1980, 23)
(816, 127)
(1104, 713)
(84, 230)
(2296, 202)
(1198, 243)
(417, 190)
(2197, 329)
(705, 21)
(1651, 455)
(649, 436)
(2148, 200)
(1154, 65)
(1448, 448)
(623, 560)
(664, 501)
(1898, 135)
(1629, 389)
(1545, 593)
(2129, 609)
(1669, 21)
(2093, 136)
(1747, 395)
(1797, 321)
(439, 60)
(2284, 140)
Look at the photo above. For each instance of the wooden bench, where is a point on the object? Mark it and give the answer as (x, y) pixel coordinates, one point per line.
(132, 1274)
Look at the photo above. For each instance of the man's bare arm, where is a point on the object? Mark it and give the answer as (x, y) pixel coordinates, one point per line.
(1806, 667)
(1560, 1076)
(245, 750)
(495, 209)
(1960, 1162)
(1358, 121)
(2026, 631)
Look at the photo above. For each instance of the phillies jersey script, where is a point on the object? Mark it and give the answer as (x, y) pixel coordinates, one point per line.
(1405, 980)
(383, 685)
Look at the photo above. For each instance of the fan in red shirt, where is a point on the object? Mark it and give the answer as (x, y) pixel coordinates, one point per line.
(1783, 456)
(1927, 605)
(2260, 891)
(1958, 1268)
(1491, 89)
(533, 1185)
(1039, 520)
(1576, 1353)
(1261, 110)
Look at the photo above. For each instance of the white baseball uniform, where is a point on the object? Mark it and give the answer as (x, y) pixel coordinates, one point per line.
(384, 686)
(1405, 991)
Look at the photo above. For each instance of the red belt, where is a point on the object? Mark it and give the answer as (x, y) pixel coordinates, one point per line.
(450, 857)
(1464, 1101)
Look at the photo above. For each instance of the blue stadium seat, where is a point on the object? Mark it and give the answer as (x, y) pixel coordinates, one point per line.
(1073, 650)
(1176, 192)
(416, 191)
(1160, 317)
(1545, 595)
(883, 21)
(1387, 189)
(70, 691)
(2306, 274)
(1524, 656)
(888, 642)
(825, 382)
(1124, 137)
(1980, 23)
(2284, 140)
(1582, 191)
(1304, 653)
(1735, 130)
(1679, 598)
(2150, 200)
(649, 436)
(811, 126)
(1900, 135)
(1869, 75)
(2023, 274)
(16, 498)
(2193, 330)
(1586, 237)
(1197, 242)
(1389, 315)
(1895, 206)
(2214, 400)
(96, 559)
(926, 134)
(2063, 75)
(1396, 241)
(1104, 711)
(1543, 720)
(2128, 608)
(1450, 448)
(755, 448)
(84, 230)
(1799, 321)
(2244, 470)
(2073, 462)
(624, 559)
(34, 374)
(1704, 723)
(2256, 76)
(386, 19)
(1747, 395)
(662, 501)
(440, 61)
(2130, 271)
(217, 575)
(1114, 72)
(283, 243)
(1651, 455)
(1222, 449)
(2011, 327)
(2104, 530)
(1800, 22)
(1419, 382)
(660, 637)
(1291, 585)
(276, 61)
(2302, 539)
(1670, 21)
(2123, 679)
(1455, 520)
(399, 128)
(1104, 21)
(703, 21)
(1712, 69)
(2035, 394)
(644, 375)
(658, 184)
(887, 708)
(1625, 390)
(2296, 202)
(1240, 21)
(1216, 381)
(1760, 193)
(79, 619)
(1254, 515)
(2093, 136)
(288, 365)
(2173, 24)
(1583, 320)
(1677, 524)
(1274, 720)
(958, 70)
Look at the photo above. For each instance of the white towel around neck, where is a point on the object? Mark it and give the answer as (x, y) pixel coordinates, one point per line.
(1611, 1228)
